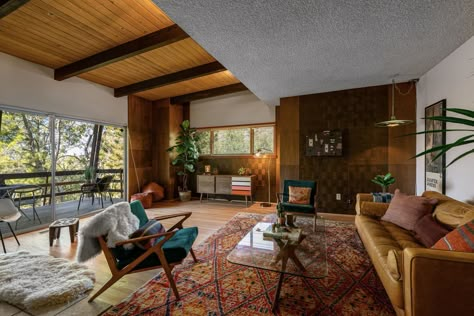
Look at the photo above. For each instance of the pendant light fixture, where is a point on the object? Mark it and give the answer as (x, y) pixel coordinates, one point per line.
(394, 122)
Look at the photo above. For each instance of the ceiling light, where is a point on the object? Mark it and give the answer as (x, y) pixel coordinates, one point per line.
(393, 122)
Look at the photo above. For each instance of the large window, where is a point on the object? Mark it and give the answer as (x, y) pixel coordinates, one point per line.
(241, 140)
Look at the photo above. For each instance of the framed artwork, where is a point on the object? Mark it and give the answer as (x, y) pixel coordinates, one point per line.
(435, 174)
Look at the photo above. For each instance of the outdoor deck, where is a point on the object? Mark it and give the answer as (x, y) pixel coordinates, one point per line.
(63, 210)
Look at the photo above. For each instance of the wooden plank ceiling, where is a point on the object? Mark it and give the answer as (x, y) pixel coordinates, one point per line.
(128, 45)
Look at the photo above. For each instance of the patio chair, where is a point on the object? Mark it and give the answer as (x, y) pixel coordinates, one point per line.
(169, 251)
(290, 206)
(100, 187)
(8, 213)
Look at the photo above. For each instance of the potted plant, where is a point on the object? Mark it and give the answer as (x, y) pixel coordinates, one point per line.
(466, 120)
(187, 155)
(384, 181)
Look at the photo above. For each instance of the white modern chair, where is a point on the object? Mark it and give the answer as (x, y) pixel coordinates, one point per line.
(8, 213)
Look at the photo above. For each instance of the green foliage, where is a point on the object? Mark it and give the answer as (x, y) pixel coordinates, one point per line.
(384, 180)
(187, 152)
(232, 141)
(466, 119)
(89, 173)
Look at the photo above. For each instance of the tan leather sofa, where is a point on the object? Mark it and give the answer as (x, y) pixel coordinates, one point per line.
(419, 280)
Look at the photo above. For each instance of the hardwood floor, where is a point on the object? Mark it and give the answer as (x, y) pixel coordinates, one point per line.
(208, 216)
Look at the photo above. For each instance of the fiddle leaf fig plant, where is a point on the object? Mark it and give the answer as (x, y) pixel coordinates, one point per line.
(187, 152)
(384, 181)
(466, 119)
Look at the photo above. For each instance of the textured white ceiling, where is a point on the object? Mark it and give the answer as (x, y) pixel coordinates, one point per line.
(281, 48)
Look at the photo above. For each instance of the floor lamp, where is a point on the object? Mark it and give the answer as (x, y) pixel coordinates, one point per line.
(260, 154)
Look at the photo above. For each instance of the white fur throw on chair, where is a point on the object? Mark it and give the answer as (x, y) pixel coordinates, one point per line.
(116, 222)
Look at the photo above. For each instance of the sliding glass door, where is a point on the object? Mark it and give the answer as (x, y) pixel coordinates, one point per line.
(56, 167)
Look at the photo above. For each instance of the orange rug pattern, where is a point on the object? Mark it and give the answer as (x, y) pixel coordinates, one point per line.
(215, 287)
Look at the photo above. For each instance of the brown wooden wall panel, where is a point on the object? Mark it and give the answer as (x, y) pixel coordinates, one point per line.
(139, 141)
(402, 148)
(289, 126)
(365, 147)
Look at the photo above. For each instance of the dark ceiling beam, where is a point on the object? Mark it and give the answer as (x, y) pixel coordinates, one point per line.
(137, 46)
(8, 6)
(188, 74)
(208, 93)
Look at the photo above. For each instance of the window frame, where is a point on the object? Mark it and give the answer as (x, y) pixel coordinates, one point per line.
(251, 126)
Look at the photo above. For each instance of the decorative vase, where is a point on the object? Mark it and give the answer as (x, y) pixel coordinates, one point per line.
(185, 196)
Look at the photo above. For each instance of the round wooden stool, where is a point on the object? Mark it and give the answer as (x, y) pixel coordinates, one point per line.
(55, 228)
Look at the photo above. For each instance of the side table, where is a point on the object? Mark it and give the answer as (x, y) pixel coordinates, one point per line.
(55, 228)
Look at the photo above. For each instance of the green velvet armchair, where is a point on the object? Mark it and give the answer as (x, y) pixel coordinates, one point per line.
(293, 209)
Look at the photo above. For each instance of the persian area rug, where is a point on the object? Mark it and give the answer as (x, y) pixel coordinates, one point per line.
(35, 281)
(213, 286)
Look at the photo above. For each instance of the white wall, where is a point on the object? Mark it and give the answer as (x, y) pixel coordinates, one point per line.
(452, 79)
(31, 86)
(231, 109)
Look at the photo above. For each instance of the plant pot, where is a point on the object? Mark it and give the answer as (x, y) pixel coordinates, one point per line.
(281, 221)
(185, 196)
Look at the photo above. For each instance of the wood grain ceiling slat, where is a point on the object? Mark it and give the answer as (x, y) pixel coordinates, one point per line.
(236, 87)
(76, 29)
(158, 62)
(203, 83)
(137, 46)
(183, 75)
(8, 6)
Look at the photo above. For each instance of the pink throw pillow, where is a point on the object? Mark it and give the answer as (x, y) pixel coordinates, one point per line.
(428, 231)
(299, 195)
(405, 210)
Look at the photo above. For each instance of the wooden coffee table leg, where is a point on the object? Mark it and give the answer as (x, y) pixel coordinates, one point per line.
(277, 293)
(72, 232)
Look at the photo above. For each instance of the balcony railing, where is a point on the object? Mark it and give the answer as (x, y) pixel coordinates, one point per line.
(67, 190)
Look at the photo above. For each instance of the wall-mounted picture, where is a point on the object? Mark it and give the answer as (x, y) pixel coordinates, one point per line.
(435, 169)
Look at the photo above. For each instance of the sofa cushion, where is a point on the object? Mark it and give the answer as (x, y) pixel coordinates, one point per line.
(394, 263)
(469, 216)
(460, 239)
(428, 231)
(405, 210)
(449, 212)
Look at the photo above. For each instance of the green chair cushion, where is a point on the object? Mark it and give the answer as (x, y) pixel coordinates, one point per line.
(139, 211)
(175, 250)
(300, 208)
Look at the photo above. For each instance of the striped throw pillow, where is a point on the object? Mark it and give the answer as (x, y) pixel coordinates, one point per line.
(460, 239)
(152, 227)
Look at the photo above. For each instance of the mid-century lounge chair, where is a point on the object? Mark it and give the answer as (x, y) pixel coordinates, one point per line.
(169, 251)
(290, 205)
(8, 213)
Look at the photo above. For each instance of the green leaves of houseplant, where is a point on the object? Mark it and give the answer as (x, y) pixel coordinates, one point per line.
(187, 152)
(467, 120)
(384, 180)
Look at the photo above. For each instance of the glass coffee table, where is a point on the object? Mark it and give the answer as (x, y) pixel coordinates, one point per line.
(296, 251)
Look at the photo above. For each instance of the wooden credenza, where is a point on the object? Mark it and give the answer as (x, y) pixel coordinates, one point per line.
(227, 184)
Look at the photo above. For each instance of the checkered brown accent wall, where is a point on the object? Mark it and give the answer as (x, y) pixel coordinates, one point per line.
(365, 147)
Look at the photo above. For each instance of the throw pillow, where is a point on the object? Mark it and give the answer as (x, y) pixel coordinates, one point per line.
(428, 231)
(382, 197)
(137, 209)
(405, 210)
(152, 227)
(299, 195)
(460, 239)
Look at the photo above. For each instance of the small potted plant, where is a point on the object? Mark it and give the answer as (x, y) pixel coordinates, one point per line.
(187, 155)
(384, 181)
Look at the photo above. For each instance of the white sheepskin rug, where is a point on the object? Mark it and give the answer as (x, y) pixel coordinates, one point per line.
(35, 281)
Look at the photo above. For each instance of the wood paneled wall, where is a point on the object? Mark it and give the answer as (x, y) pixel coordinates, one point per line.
(402, 148)
(367, 150)
(140, 165)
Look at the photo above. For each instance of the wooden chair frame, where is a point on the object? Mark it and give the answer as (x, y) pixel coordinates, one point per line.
(289, 214)
(156, 249)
